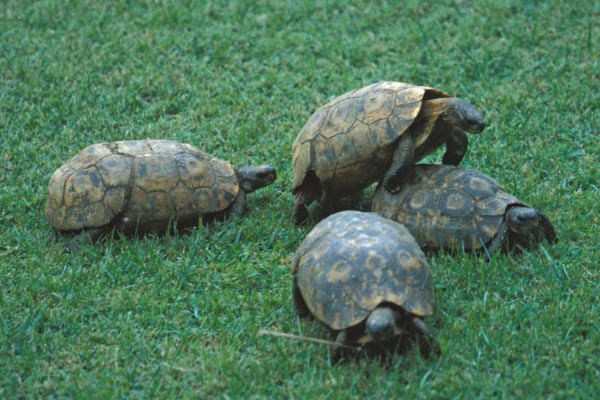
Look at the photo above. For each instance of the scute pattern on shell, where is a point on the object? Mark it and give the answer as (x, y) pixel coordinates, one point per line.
(446, 206)
(144, 182)
(349, 141)
(352, 261)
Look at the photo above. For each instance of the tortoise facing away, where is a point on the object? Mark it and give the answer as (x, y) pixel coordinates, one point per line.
(364, 277)
(376, 132)
(452, 207)
(142, 186)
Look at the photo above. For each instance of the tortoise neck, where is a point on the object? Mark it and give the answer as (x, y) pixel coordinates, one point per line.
(431, 130)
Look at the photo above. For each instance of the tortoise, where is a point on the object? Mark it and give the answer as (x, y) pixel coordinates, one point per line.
(448, 207)
(376, 132)
(143, 186)
(365, 278)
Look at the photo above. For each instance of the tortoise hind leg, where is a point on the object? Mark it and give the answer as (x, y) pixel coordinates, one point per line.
(300, 210)
(85, 236)
(496, 243)
(310, 190)
(428, 345)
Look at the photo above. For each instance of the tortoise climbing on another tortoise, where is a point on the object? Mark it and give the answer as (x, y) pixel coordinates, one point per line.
(376, 132)
(452, 207)
(143, 186)
(364, 277)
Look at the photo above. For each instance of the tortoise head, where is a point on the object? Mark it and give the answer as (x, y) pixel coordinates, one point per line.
(526, 224)
(464, 115)
(253, 178)
(382, 324)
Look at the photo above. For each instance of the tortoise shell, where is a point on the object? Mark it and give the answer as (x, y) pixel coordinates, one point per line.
(351, 262)
(144, 183)
(349, 142)
(451, 207)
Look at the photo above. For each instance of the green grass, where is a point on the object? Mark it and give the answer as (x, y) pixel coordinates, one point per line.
(178, 316)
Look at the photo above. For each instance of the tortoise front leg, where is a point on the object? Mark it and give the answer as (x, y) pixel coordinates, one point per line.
(456, 147)
(402, 162)
(497, 242)
(340, 348)
(238, 207)
(428, 345)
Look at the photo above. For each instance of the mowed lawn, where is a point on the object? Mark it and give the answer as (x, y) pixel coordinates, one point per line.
(178, 316)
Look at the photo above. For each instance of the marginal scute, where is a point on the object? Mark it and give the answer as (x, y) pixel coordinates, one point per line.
(203, 197)
(85, 185)
(89, 214)
(115, 199)
(362, 171)
(56, 187)
(145, 205)
(221, 197)
(301, 160)
(56, 217)
(325, 159)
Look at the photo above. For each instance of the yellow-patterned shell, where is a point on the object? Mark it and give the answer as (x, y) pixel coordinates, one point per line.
(352, 261)
(447, 207)
(145, 183)
(349, 142)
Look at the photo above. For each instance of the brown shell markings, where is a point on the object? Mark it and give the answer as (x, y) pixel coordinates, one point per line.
(446, 206)
(143, 182)
(351, 262)
(349, 141)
